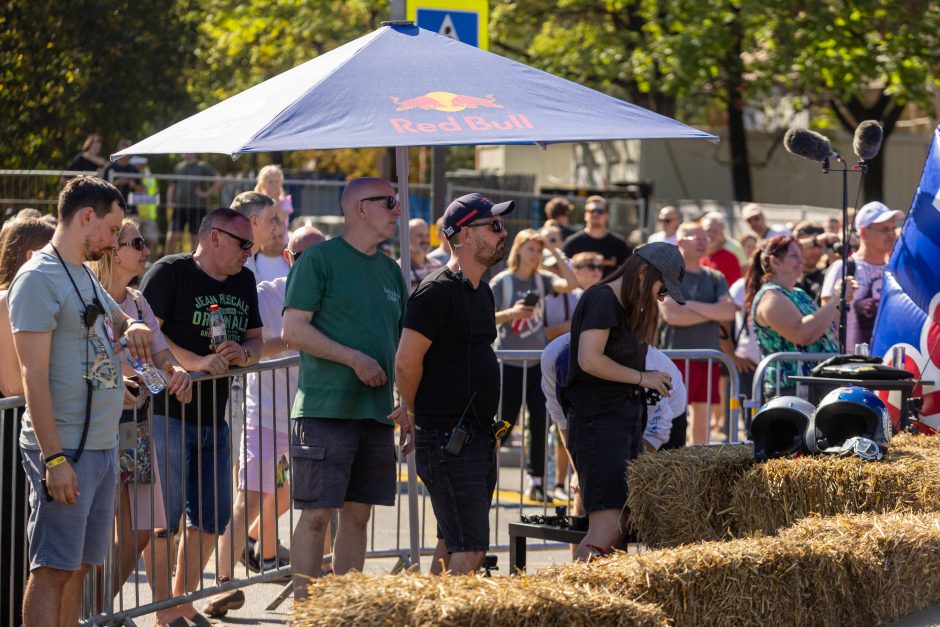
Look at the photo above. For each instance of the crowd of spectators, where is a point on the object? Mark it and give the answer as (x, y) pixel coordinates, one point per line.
(774, 288)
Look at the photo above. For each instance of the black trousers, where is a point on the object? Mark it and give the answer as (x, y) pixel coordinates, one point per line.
(535, 403)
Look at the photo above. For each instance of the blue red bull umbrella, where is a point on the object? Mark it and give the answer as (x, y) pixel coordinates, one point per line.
(405, 86)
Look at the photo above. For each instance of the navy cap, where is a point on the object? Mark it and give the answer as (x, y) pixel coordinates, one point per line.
(471, 207)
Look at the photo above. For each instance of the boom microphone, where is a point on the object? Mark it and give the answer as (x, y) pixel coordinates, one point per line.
(867, 140)
(809, 145)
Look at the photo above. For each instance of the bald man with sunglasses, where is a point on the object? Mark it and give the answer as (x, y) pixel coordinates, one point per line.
(343, 310)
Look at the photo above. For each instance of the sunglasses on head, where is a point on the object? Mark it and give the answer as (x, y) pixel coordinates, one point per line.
(244, 244)
(390, 201)
(589, 266)
(138, 243)
(496, 225)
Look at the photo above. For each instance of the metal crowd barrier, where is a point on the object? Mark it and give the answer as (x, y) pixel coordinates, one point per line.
(757, 390)
(131, 599)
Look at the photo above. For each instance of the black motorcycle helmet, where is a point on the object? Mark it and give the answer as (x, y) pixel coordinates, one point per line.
(779, 427)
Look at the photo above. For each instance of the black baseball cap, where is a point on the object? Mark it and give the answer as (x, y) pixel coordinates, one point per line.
(666, 258)
(472, 207)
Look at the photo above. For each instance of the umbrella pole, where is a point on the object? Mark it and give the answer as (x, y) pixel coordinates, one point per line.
(401, 167)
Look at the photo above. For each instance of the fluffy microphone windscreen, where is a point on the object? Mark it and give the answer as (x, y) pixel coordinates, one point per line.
(807, 144)
(867, 140)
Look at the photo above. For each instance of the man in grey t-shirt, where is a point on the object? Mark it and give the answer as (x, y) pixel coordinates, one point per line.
(66, 330)
(696, 325)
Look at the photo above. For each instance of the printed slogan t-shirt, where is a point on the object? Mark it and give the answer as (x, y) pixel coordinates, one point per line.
(180, 294)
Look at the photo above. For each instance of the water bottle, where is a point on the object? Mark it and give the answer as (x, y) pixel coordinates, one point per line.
(216, 327)
(149, 374)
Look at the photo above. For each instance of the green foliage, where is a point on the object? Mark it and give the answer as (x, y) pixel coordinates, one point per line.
(102, 66)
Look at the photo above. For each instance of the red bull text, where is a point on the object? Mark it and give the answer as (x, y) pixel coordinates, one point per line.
(448, 102)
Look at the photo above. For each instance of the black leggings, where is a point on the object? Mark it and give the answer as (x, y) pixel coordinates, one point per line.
(535, 403)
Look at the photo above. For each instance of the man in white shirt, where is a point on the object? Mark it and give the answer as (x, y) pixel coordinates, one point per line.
(753, 214)
(669, 221)
(262, 212)
(876, 226)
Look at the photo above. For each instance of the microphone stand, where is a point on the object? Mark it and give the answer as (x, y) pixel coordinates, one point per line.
(861, 168)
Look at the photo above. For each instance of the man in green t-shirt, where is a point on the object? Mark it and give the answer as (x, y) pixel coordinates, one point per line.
(343, 311)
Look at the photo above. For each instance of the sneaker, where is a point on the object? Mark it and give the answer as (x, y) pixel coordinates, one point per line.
(537, 494)
(560, 494)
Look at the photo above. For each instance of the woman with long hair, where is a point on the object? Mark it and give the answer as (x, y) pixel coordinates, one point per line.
(89, 159)
(605, 395)
(140, 508)
(271, 182)
(18, 241)
(786, 319)
(19, 238)
(521, 326)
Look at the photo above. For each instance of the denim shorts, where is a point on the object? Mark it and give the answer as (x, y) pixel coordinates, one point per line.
(335, 460)
(196, 468)
(460, 486)
(601, 446)
(67, 536)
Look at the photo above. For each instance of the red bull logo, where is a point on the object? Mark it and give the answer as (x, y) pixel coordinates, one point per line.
(446, 101)
(449, 102)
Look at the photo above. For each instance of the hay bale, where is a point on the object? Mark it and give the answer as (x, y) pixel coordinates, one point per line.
(860, 569)
(414, 599)
(750, 581)
(684, 495)
(778, 493)
(895, 559)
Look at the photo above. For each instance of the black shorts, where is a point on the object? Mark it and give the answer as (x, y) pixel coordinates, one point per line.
(601, 446)
(460, 486)
(190, 217)
(334, 460)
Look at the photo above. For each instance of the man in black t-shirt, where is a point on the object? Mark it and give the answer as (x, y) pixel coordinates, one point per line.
(193, 439)
(448, 378)
(596, 238)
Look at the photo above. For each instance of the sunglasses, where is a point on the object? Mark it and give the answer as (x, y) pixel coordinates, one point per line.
(390, 201)
(496, 225)
(663, 293)
(667, 220)
(596, 210)
(294, 256)
(138, 243)
(589, 266)
(244, 244)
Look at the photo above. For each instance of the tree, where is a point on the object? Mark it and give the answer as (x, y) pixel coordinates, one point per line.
(680, 58)
(245, 42)
(859, 60)
(101, 66)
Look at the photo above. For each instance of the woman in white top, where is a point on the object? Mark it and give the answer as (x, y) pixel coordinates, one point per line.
(141, 508)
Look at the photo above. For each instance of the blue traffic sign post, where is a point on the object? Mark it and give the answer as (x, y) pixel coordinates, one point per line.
(464, 26)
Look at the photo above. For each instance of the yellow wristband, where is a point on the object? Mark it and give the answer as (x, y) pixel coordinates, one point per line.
(55, 461)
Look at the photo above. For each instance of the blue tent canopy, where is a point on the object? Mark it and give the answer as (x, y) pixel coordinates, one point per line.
(405, 86)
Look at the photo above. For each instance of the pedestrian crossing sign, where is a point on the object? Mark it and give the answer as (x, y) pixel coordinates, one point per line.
(463, 20)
